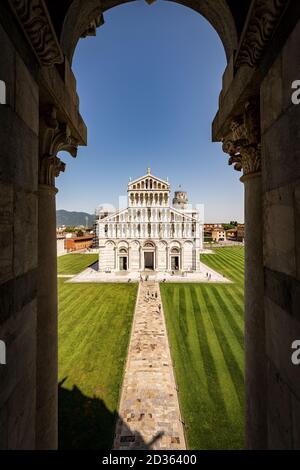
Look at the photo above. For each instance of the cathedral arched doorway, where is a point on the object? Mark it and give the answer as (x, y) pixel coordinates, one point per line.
(149, 260)
(149, 256)
(175, 259)
(123, 259)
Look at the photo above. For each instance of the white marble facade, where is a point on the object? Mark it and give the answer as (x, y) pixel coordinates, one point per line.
(150, 234)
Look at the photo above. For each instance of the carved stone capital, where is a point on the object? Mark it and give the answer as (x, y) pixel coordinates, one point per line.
(34, 18)
(93, 25)
(50, 168)
(243, 141)
(264, 17)
(55, 136)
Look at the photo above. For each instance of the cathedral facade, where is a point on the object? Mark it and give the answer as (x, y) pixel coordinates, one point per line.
(150, 234)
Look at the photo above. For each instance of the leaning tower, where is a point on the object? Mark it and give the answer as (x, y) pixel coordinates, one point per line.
(180, 199)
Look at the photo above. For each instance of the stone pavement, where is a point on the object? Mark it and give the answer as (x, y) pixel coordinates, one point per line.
(149, 415)
(92, 274)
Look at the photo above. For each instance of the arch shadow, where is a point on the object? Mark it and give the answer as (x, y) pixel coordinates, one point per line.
(85, 423)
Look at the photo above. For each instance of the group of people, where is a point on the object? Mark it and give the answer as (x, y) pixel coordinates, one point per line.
(152, 296)
(208, 276)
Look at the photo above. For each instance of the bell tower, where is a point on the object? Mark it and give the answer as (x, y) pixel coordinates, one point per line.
(180, 199)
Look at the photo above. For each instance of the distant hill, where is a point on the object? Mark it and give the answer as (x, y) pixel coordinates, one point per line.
(73, 218)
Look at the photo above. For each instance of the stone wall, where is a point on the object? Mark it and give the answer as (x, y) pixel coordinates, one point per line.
(19, 123)
(281, 214)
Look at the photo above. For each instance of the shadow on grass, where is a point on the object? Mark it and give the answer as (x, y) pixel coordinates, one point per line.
(83, 422)
(86, 423)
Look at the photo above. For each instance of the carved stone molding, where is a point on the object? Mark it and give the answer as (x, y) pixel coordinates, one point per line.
(55, 136)
(264, 17)
(243, 143)
(36, 23)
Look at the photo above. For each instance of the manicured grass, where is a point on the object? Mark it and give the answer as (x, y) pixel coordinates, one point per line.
(205, 328)
(94, 329)
(228, 261)
(75, 263)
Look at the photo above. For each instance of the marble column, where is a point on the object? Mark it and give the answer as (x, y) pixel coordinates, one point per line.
(53, 137)
(244, 148)
(116, 267)
(129, 258)
(46, 393)
(255, 373)
(182, 258)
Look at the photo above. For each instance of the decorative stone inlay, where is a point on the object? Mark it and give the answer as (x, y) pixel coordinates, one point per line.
(36, 23)
(149, 415)
(243, 142)
(92, 27)
(263, 20)
(55, 136)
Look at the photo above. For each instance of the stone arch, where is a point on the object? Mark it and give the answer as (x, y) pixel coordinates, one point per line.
(269, 23)
(110, 244)
(149, 244)
(175, 244)
(135, 244)
(82, 19)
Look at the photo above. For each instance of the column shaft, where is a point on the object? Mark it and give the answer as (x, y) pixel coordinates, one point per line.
(47, 330)
(255, 358)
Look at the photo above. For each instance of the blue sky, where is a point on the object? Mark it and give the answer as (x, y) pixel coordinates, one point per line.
(148, 85)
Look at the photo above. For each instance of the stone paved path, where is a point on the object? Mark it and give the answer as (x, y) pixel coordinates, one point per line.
(149, 416)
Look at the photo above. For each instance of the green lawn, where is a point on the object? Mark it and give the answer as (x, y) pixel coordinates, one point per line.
(75, 263)
(94, 328)
(205, 328)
